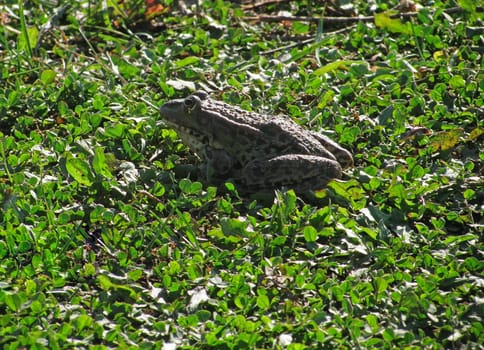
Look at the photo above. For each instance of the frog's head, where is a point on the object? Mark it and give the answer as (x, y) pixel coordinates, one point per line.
(186, 111)
(188, 117)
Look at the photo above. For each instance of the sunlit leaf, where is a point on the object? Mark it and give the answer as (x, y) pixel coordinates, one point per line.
(333, 66)
(326, 99)
(372, 321)
(13, 301)
(32, 37)
(263, 301)
(457, 81)
(187, 61)
(135, 275)
(79, 169)
(300, 28)
(47, 76)
(104, 282)
(310, 234)
(468, 5)
(394, 25)
(459, 239)
(116, 130)
(99, 163)
(83, 321)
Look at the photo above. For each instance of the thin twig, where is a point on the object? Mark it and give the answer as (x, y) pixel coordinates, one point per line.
(333, 20)
(268, 18)
(303, 42)
(262, 3)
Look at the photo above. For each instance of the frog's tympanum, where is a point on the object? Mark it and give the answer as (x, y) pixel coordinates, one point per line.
(256, 150)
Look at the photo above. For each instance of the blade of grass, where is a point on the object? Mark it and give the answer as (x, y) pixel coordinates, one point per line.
(23, 29)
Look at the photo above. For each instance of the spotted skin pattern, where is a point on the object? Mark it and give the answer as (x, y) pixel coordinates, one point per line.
(256, 150)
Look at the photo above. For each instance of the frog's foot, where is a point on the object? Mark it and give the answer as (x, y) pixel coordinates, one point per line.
(342, 155)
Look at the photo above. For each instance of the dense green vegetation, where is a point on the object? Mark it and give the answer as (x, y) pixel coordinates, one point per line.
(106, 242)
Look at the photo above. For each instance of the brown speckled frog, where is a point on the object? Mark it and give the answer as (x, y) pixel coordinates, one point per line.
(256, 150)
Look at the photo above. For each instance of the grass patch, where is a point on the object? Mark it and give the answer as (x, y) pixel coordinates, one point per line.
(107, 242)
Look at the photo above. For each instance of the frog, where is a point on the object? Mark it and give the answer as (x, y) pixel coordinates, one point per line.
(255, 150)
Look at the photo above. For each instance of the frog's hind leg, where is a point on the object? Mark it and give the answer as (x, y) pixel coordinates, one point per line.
(298, 171)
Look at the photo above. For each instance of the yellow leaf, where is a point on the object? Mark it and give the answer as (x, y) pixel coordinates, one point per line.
(475, 134)
(446, 139)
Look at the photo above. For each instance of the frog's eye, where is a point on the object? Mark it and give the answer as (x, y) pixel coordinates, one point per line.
(191, 102)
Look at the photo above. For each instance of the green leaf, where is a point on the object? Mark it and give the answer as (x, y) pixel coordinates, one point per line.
(36, 306)
(241, 301)
(135, 275)
(173, 268)
(381, 285)
(370, 232)
(457, 81)
(99, 163)
(310, 234)
(397, 190)
(83, 321)
(372, 321)
(115, 131)
(13, 301)
(30, 287)
(47, 76)
(326, 99)
(350, 190)
(469, 194)
(388, 335)
(300, 27)
(263, 301)
(187, 61)
(473, 264)
(185, 185)
(278, 241)
(29, 36)
(230, 186)
(79, 170)
(468, 5)
(459, 239)
(98, 102)
(104, 282)
(89, 270)
(333, 66)
(394, 25)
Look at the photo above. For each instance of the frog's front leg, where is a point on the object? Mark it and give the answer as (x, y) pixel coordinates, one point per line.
(219, 162)
(298, 171)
